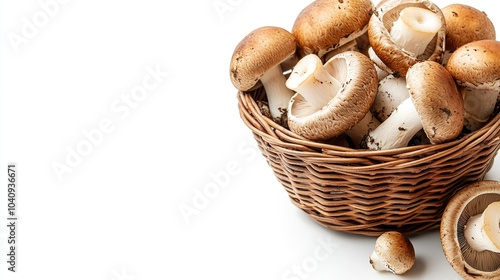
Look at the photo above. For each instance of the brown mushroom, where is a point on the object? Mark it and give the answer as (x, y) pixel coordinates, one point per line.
(393, 252)
(404, 32)
(325, 25)
(258, 57)
(476, 68)
(468, 248)
(351, 89)
(435, 105)
(465, 24)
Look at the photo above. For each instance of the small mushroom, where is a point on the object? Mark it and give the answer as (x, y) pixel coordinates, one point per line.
(393, 252)
(435, 106)
(258, 57)
(476, 68)
(470, 230)
(404, 32)
(330, 102)
(325, 25)
(465, 24)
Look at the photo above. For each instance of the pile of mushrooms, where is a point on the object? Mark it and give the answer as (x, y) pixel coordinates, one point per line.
(378, 76)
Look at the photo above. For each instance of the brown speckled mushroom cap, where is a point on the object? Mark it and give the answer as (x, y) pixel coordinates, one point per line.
(396, 251)
(325, 25)
(437, 100)
(358, 77)
(258, 52)
(465, 24)
(395, 58)
(476, 64)
(469, 201)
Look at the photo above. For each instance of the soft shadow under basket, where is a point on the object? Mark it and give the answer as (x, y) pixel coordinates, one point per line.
(370, 192)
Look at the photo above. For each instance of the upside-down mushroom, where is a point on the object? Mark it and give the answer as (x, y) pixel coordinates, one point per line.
(404, 32)
(470, 230)
(330, 102)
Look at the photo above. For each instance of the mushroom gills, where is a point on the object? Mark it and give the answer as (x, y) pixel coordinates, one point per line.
(311, 80)
(482, 231)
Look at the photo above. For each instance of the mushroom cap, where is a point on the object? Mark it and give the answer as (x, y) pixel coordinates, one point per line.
(325, 25)
(469, 201)
(465, 24)
(396, 250)
(358, 77)
(259, 51)
(476, 64)
(394, 57)
(437, 100)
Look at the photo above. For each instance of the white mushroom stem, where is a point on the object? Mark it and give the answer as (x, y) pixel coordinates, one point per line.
(362, 128)
(310, 79)
(479, 104)
(397, 130)
(278, 95)
(378, 264)
(391, 92)
(415, 28)
(482, 231)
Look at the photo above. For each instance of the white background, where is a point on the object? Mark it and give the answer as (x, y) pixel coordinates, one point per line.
(115, 212)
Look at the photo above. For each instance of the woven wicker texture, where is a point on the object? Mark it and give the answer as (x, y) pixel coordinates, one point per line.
(370, 192)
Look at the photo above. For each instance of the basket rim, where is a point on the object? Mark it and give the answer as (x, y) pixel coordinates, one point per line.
(274, 133)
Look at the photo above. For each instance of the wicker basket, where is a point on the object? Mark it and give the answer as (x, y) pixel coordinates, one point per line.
(370, 192)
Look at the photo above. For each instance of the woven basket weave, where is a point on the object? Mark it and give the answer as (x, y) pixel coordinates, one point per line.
(370, 192)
